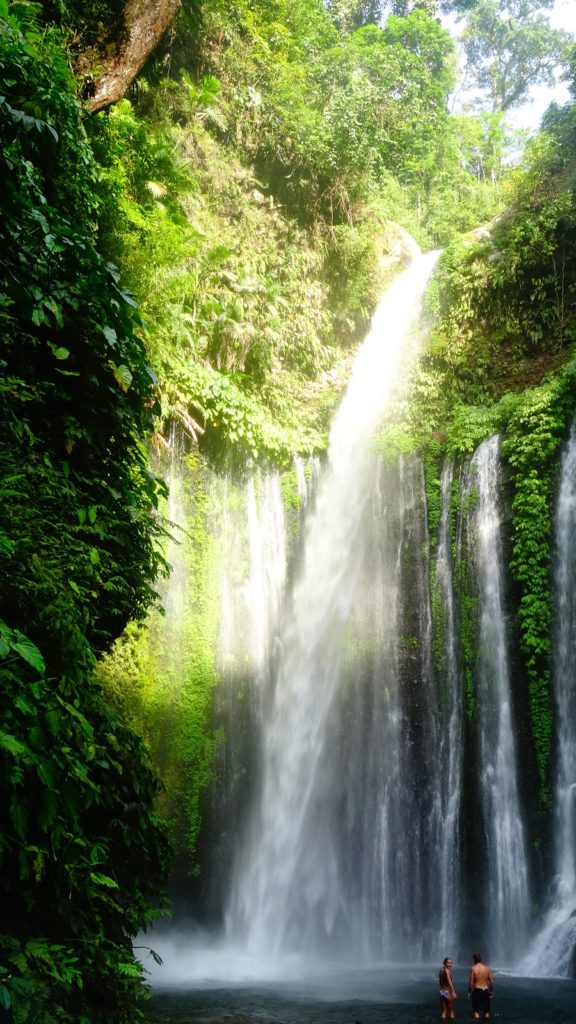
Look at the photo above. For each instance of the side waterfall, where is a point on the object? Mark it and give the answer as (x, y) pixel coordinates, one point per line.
(507, 890)
(553, 952)
(288, 893)
(251, 538)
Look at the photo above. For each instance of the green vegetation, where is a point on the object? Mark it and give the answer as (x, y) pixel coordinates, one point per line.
(509, 50)
(248, 198)
(500, 359)
(161, 679)
(83, 853)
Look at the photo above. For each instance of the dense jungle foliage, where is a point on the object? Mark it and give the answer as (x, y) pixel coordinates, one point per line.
(208, 252)
(501, 359)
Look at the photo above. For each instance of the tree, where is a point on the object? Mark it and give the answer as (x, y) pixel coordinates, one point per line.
(83, 855)
(127, 34)
(351, 14)
(511, 48)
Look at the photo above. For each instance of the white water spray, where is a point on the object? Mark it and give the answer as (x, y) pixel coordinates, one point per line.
(253, 575)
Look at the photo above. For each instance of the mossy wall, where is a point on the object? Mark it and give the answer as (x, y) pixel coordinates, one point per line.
(161, 676)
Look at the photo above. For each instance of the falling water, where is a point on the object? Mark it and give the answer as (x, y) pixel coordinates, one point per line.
(448, 781)
(251, 537)
(288, 890)
(253, 573)
(507, 891)
(553, 952)
(392, 827)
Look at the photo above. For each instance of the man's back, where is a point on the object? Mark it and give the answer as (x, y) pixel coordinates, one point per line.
(481, 976)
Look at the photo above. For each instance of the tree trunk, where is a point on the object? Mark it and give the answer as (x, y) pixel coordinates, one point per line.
(108, 75)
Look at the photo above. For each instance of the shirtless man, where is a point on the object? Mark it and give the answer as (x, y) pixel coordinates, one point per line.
(480, 987)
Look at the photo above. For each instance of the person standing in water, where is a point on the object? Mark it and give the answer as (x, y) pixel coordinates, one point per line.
(480, 988)
(447, 992)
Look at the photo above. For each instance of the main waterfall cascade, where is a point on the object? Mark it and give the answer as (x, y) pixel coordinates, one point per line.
(366, 803)
(289, 893)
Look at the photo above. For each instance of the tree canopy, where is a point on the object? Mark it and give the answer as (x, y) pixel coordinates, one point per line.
(511, 48)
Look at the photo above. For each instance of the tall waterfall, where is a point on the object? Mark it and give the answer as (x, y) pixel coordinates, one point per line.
(289, 893)
(554, 949)
(449, 782)
(507, 896)
(361, 797)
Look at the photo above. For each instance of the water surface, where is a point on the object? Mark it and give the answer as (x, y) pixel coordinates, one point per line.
(385, 995)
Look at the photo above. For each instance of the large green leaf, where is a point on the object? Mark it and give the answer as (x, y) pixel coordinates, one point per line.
(27, 650)
(11, 744)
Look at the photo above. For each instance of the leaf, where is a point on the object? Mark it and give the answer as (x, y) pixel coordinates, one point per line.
(25, 706)
(5, 998)
(53, 722)
(157, 189)
(19, 816)
(29, 652)
(46, 812)
(46, 774)
(60, 353)
(110, 335)
(105, 880)
(129, 970)
(122, 376)
(11, 744)
(38, 866)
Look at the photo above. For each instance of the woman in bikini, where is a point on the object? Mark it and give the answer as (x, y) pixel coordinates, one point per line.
(447, 993)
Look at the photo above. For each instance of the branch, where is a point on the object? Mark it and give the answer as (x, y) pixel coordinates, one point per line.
(145, 23)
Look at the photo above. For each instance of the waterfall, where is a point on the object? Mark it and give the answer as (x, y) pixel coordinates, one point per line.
(364, 803)
(392, 758)
(554, 949)
(289, 894)
(507, 897)
(449, 779)
(253, 573)
(250, 534)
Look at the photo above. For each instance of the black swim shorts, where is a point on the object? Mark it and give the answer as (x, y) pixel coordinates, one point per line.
(480, 999)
